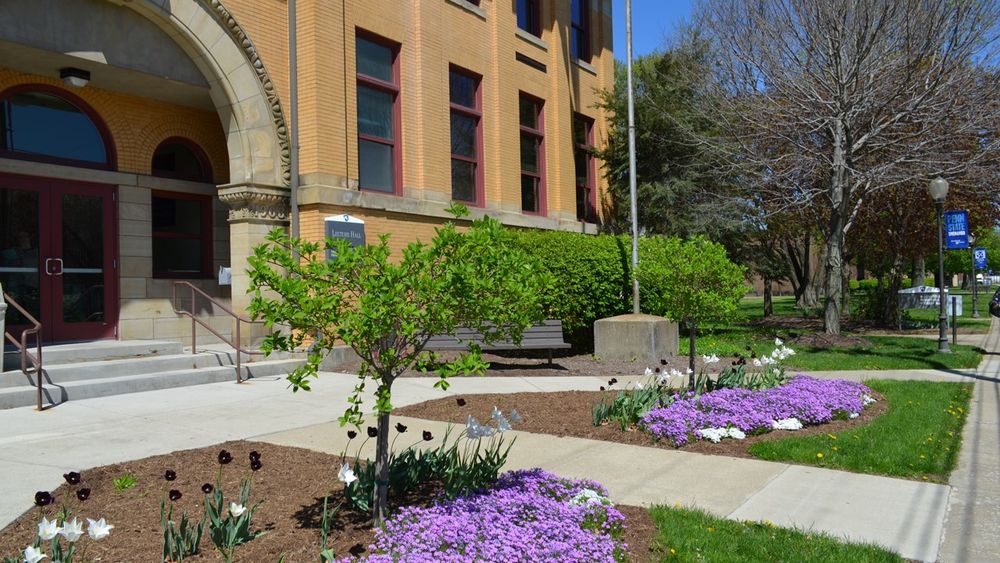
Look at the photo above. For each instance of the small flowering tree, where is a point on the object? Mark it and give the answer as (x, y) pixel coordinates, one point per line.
(386, 309)
(696, 283)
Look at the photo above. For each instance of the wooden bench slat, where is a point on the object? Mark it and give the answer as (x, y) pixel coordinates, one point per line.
(545, 336)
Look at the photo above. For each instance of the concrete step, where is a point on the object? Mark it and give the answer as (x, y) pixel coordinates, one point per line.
(55, 354)
(54, 394)
(60, 374)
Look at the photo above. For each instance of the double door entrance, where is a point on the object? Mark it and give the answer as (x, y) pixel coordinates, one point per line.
(57, 256)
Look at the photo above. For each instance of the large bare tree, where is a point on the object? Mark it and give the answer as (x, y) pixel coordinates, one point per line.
(829, 102)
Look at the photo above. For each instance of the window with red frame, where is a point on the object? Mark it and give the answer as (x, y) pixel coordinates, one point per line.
(379, 155)
(532, 155)
(180, 158)
(466, 137)
(583, 161)
(182, 235)
(579, 36)
(529, 16)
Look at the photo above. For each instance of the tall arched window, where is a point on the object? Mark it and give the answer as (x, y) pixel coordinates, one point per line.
(180, 158)
(44, 123)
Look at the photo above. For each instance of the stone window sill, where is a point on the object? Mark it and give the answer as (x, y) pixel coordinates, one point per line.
(469, 7)
(536, 41)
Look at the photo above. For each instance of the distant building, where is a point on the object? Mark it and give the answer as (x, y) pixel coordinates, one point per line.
(147, 141)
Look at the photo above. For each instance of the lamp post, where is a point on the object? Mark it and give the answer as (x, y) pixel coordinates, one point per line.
(938, 190)
(975, 302)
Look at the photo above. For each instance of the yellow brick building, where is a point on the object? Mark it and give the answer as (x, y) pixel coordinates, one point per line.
(146, 142)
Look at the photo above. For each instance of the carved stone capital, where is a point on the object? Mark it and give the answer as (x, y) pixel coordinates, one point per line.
(256, 204)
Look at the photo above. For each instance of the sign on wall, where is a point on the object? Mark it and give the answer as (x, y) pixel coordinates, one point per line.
(344, 227)
(956, 230)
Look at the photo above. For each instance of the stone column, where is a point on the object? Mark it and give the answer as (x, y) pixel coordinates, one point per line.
(254, 210)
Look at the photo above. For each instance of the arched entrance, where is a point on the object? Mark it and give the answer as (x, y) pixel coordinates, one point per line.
(57, 257)
(143, 57)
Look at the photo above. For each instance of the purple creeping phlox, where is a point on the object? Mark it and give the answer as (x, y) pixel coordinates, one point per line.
(812, 401)
(527, 516)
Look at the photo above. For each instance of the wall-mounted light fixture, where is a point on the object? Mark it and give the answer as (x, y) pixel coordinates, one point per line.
(74, 77)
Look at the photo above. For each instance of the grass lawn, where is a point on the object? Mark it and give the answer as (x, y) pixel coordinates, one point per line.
(919, 437)
(693, 535)
(886, 352)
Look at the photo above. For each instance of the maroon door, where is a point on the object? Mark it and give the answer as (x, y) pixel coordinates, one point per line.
(57, 256)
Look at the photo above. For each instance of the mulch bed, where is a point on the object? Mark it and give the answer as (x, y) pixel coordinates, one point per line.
(569, 413)
(531, 364)
(292, 484)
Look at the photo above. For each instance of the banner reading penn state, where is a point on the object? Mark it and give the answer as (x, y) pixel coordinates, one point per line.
(956, 230)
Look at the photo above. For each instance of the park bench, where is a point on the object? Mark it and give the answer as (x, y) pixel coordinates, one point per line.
(545, 336)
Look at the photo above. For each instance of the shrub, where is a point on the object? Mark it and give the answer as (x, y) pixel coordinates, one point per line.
(591, 275)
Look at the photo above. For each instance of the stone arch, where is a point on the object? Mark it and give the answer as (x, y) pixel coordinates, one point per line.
(241, 88)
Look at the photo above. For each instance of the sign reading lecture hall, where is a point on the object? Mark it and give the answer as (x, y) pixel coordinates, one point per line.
(344, 227)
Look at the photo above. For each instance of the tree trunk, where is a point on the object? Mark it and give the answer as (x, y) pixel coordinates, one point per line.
(839, 200)
(380, 506)
(845, 303)
(815, 291)
(768, 300)
(920, 271)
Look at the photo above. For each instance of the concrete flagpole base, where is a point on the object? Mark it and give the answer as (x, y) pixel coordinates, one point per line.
(640, 338)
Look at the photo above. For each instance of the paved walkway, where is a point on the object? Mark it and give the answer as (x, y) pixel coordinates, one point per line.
(36, 448)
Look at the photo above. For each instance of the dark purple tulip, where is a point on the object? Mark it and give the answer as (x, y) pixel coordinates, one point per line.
(460, 401)
(43, 498)
(225, 457)
(255, 464)
(351, 434)
(372, 432)
(400, 427)
(83, 494)
(428, 436)
(602, 388)
(207, 488)
(174, 494)
(254, 455)
(73, 478)
(170, 475)
(663, 362)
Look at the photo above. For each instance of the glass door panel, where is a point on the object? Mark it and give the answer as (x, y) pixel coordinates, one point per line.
(82, 258)
(19, 238)
(80, 263)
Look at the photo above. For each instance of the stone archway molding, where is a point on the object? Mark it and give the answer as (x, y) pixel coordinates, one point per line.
(244, 96)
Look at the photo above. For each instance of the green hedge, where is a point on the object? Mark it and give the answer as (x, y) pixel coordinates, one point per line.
(592, 277)
(591, 273)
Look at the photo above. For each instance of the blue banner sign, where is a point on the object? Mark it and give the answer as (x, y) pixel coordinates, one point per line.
(980, 256)
(956, 230)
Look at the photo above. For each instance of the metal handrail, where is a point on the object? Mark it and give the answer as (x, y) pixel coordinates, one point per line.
(194, 319)
(22, 347)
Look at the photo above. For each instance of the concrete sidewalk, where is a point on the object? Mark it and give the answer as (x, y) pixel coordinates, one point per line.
(36, 448)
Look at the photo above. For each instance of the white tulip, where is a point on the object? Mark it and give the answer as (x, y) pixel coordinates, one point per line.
(47, 530)
(71, 530)
(346, 475)
(236, 510)
(98, 530)
(33, 555)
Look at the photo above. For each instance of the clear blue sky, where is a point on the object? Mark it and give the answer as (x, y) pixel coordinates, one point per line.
(652, 22)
